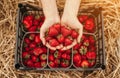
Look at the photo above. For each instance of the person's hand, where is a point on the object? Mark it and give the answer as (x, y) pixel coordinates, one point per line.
(51, 17)
(73, 22)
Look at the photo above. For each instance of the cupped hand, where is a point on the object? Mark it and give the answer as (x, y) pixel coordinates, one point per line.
(46, 25)
(72, 22)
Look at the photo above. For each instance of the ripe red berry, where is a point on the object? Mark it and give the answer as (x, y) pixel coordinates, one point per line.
(25, 55)
(52, 64)
(52, 31)
(77, 58)
(65, 31)
(74, 34)
(43, 57)
(89, 25)
(57, 26)
(31, 36)
(32, 28)
(43, 63)
(84, 64)
(91, 55)
(37, 65)
(53, 42)
(67, 41)
(37, 39)
(34, 58)
(29, 63)
(51, 57)
(32, 45)
(37, 51)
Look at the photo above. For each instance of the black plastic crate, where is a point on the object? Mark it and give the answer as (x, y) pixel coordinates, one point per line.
(98, 34)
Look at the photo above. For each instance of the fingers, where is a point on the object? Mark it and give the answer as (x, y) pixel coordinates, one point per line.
(59, 47)
(52, 48)
(80, 34)
(42, 35)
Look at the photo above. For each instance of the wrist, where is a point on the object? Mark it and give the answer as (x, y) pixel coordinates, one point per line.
(55, 19)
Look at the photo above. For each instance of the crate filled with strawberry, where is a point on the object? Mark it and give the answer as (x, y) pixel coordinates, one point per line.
(32, 54)
(32, 21)
(84, 53)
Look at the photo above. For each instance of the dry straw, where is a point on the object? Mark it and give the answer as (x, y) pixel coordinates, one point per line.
(111, 11)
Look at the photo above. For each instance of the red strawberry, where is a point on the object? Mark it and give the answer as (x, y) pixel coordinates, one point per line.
(60, 38)
(77, 46)
(52, 64)
(84, 57)
(57, 26)
(61, 51)
(38, 51)
(48, 38)
(65, 31)
(84, 64)
(27, 21)
(29, 17)
(25, 55)
(26, 49)
(52, 51)
(77, 58)
(74, 34)
(27, 24)
(51, 57)
(86, 42)
(43, 63)
(57, 62)
(36, 20)
(32, 28)
(65, 56)
(64, 63)
(83, 18)
(89, 25)
(44, 50)
(37, 65)
(37, 39)
(52, 31)
(83, 50)
(92, 40)
(32, 45)
(57, 54)
(91, 63)
(83, 37)
(27, 40)
(53, 42)
(29, 63)
(68, 51)
(32, 36)
(34, 58)
(67, 42)
(92, 48)
(43, 57)
(91, 55)
(78, 64)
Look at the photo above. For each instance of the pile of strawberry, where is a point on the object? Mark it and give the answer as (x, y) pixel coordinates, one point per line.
(59, 58)
(32, 22)
(85, 52)
(60, 35)
(88, 23)
(34, 53)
